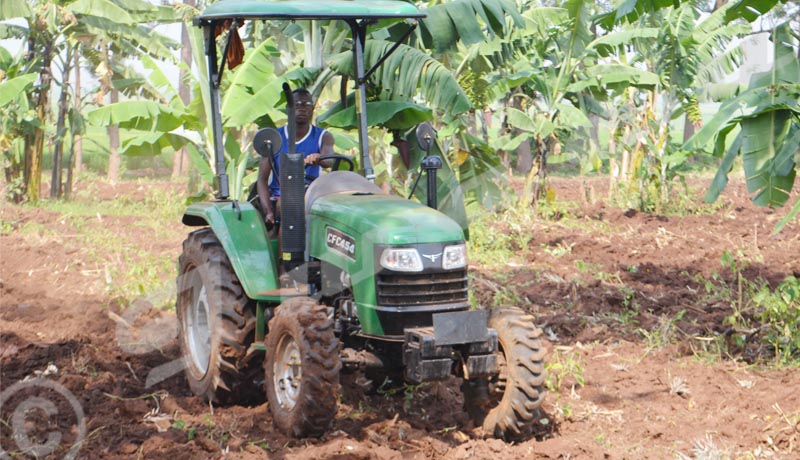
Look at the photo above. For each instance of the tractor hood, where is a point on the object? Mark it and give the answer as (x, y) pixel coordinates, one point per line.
(385, 219)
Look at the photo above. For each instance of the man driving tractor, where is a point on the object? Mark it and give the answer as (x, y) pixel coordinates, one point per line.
(312, 141)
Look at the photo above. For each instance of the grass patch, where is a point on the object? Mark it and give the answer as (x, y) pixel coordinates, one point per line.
(109, 234)
(763, 322)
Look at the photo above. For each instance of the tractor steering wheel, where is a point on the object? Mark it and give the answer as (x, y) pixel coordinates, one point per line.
(337, 160)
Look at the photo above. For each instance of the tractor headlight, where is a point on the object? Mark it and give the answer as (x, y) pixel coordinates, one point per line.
(401, 260)
(454, 257)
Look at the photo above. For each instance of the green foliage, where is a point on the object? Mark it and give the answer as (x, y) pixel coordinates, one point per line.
(750, 9)
(763, 321)
(564, 366)
(779, 314)
(407, 72)
(388, 114)
(11, 89)
(766, 121)
(254, 91)
(449, 23)
(663, 334)
(497, 237)
(133, 272)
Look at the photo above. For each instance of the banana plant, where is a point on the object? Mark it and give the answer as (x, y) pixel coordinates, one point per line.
(248, 101)
(693, 52)
(50, 28)
(764, 122)
(16, 119)
(543, 109)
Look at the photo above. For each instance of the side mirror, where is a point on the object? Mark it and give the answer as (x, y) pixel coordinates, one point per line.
(425, 136)
(267, 142)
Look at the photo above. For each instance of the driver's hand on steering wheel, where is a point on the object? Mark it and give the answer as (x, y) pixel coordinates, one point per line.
(312, 159)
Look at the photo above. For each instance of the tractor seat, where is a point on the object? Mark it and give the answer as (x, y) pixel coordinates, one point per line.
(338, 182)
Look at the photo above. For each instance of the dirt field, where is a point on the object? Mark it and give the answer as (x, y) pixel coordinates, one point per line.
(633, 306)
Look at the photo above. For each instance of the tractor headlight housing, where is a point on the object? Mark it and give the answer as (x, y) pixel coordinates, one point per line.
(455, 256)
(401, 260)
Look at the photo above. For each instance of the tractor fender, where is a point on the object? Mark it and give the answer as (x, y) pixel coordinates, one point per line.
(240, 229)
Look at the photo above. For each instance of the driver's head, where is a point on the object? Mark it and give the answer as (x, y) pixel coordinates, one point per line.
(303, 106)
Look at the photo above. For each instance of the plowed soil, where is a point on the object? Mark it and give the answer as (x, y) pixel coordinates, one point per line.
(633, 306)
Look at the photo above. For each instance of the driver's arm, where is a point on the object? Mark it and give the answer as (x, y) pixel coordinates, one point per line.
(262, 185)
(326, 149)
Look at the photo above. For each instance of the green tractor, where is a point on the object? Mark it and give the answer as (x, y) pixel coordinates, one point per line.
(360, 279)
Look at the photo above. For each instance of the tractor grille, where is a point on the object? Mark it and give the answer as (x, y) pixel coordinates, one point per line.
(415, 289)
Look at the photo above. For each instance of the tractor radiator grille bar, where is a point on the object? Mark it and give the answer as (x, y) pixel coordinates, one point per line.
(415, 289)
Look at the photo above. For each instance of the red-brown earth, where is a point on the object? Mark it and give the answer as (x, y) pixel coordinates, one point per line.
(633, 306)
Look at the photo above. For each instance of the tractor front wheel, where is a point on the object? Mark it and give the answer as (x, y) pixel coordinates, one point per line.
(506, 405)
(302, 368)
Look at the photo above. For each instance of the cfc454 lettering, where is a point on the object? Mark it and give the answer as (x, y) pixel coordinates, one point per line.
(341, 242)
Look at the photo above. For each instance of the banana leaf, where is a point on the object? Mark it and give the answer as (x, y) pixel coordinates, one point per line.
(101, 9)
(388, 114)
(408, 72)
(141, 115)
(11, 89)
(465, 21)
(631, 10)
(750, 10)
(760, 136)
(152, 143)
(14, 9)
(615, 76)
(768, 114)
(607, 45)
(254, 90)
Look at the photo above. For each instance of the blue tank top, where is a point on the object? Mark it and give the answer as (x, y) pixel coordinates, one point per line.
(311, 143)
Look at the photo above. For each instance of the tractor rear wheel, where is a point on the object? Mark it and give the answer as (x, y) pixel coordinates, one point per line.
(217, 323)
(302, 368)
(506, 405)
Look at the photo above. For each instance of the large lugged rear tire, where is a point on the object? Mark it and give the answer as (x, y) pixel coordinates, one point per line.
(217, 323)
(302, 368)
(516, 393)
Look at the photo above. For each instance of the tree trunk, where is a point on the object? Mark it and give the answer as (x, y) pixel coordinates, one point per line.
(613, 166)
(114, 160)
(107, 87)
(34, 151)
(58, 144)
(180, 159)
(524, 152)
(77, 142)
(524, 156)
(688, 129)
(70, 158)
(625, 170)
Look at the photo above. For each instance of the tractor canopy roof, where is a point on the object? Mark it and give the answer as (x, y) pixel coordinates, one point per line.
(310, 9)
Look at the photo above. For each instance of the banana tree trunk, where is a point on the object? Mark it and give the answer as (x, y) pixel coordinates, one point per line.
(180, 159)
(58, 145)
(114, 160)
(34, 150)
(614, 167)
(77, 142)
(625, 170)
